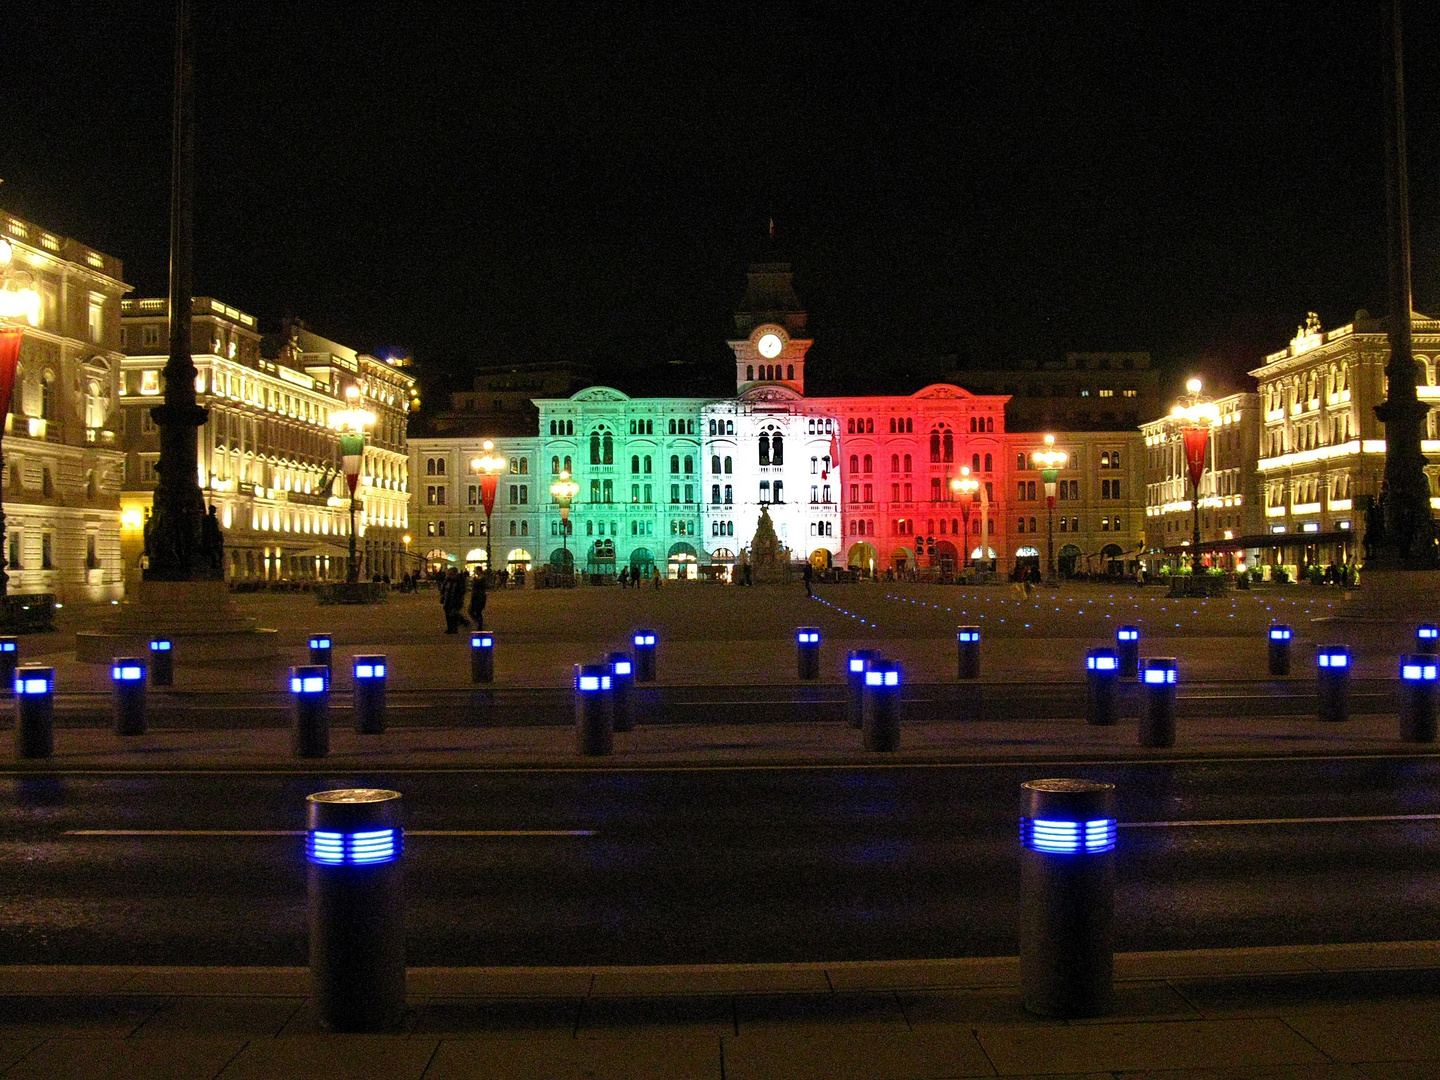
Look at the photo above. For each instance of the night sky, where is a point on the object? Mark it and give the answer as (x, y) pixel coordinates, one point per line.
(488, 183)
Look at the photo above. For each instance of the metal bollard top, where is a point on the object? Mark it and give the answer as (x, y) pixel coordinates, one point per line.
(807, 635)
(1160, 670)
(34, 680)
(857, 659)
(371, 666)
(127, 669)
(1332, 656)
(592, 678)
(9, 644)
(1102, 660)
(1066, 799)
(644, 638)
(1127, 633)
(1421, 668)
(161, 644)
(309, 679)
(482, 641)
(621, 665)
(1427, 632)
(354, 826)
(320, 641)
(967, 633)
(882, 673)
(1280, 632)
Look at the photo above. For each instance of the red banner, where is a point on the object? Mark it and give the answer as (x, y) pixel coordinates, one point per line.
(488, 483)
(9, 357)
(1196, 439)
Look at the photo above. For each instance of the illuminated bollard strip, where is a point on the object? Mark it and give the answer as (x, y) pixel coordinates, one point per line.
(1280, 636)
(9, 657)
(1127, 647)
(643, 642)
(1427, 639)
(807, 652)
(127, 675)
(967, 648)
(354, 841)
(1417, 697)
(162, 661)
(880, 721)
(1157, 719)
(368, 681)
(310, 693)
(34, 711)
(856, 661)
(594, 713)
(320, 651)
(1332, 679)
(622, 697)
(1102, 679)
(1067, 902)
(482, 657)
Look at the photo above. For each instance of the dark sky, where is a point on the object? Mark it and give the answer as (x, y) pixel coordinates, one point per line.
(488, 182)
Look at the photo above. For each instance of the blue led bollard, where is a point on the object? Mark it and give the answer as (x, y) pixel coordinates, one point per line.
(34, 711)
(1417, 697)
(1427, 639)
(1067, 901)
(482, 657)
(807, 652)
(9, 656)
(1280, 649)
(855, 664)
(310, 690)
(354, 840)
(643, 641)
(880, 720)
(622, 697)
(1332, 677)
(127, 673)
(1127, 646)
(967, 645)
(162, 661)
(368, 678)
(320, 651)
(1157, 719)
(1102, 679)
(594, 711)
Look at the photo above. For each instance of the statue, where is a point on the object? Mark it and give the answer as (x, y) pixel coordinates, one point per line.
(769, 560)
(212, 541)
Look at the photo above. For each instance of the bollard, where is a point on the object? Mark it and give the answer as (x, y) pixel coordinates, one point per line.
(320, 652)
(162, 661)
(310, 685)
(807, 652)
(1127, 645)
(967, 644)
(1067, 901)
(1102, 678)
(1417, 698)
(9, 654)
(594, 716)
(622, 701)
(368, 676)
(34, 712)
(1427, 639)
(881, 705)
(1332, 676)
(1280, 649)
(644, 642)
(855, 664)
(482, 657)
(1157, 720)
(353, 842)
(128, 675)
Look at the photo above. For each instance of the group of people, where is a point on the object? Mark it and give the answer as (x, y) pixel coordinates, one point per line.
(453, 585)
(629, 577)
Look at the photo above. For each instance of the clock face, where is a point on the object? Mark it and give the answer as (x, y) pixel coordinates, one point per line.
(769, 346)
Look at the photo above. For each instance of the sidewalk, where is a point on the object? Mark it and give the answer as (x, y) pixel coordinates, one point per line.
(1361, 1011)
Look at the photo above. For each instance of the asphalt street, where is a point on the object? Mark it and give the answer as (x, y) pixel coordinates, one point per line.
(717, 864)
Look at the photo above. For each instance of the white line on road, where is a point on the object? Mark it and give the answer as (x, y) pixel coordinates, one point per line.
(1355, 819)
(301, 832)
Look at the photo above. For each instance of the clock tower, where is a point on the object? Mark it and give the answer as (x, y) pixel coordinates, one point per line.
(773, 346)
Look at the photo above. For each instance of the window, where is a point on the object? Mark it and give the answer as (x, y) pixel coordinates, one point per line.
(15, 549)
(150, 334)
(524, 466)
(907, 463)
(554, 466)
(689, 465)
(513, 528)
(594, 448)
(674, 493)
(689, 493)
(1020, 463)
(814, 493)
(749, 372)
(934, 489)
(989, 463)
(727, 467)
(608, 491)
(674, 464)
(909, 492)
(430, 528)
(635, 464)
(869, 464)
(869, 493)
(648, 468)
(715, 493)
(779, 491)
(594, 491)
(764, 449)
(97, 321)
(472, 528)
(514, 494)
(777, 451)
(729, 494)
(715, 463)
(764, 491)
(648, 495)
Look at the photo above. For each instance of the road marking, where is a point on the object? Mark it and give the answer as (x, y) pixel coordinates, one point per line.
(301, 832)
(1348, 819)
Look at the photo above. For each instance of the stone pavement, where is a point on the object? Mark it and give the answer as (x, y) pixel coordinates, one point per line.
(1364, 1011)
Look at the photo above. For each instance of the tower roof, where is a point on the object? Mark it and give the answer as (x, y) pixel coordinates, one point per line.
(770, 298)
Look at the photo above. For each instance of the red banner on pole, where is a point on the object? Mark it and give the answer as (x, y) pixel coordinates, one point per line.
(1196, 439)
(488, 483)
(9, 357)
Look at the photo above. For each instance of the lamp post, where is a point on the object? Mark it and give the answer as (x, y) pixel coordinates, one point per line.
(19, 304)
(564, 491)
(965, 485)
(352, 423)
(488, 467)
(1050, 461)
(1195, 420)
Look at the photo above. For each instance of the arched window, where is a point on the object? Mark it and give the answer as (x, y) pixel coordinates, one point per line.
(729, 493)
(430, 466)
(555, 465)
(728, 470)
(974, 462)
(594, 448)
(674, 463)
(609, 450)
(568, 467)
(850, 426)
(908, 465)
(765, 455)
(894, 461)
(648, 467)
(715, 463)
(972, 424)
(989, 463)
(635, 464)
(948, 451)
(854, 463)
(689, 464)
(934, 446)
(869, 463)
(779, 491)
(790, 371)
(552, 428)
(525, 464)
(569, 427)
(749, 372)
(777, 454)
(764, 491)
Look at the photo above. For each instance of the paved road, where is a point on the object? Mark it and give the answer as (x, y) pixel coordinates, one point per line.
(740, 864)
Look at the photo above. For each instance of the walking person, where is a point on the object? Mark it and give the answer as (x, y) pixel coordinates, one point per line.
(808, 576)
(452, 599)
(477, 599)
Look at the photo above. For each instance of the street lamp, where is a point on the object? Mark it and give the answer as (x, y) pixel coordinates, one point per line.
(964, 485)
(352, 423)
(1196, 420)
(19, 304)
(564, 491)
(488, 466)
(1050, 461)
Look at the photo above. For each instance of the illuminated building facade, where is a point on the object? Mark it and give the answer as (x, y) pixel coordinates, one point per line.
(63, 471)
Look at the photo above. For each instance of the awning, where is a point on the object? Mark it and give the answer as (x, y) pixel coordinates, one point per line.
(1269, 540)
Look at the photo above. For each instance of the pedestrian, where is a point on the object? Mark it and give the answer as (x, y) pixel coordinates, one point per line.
(477, 599)
(452, 599)
(625, 577)
(656, 575)
(808, 576)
